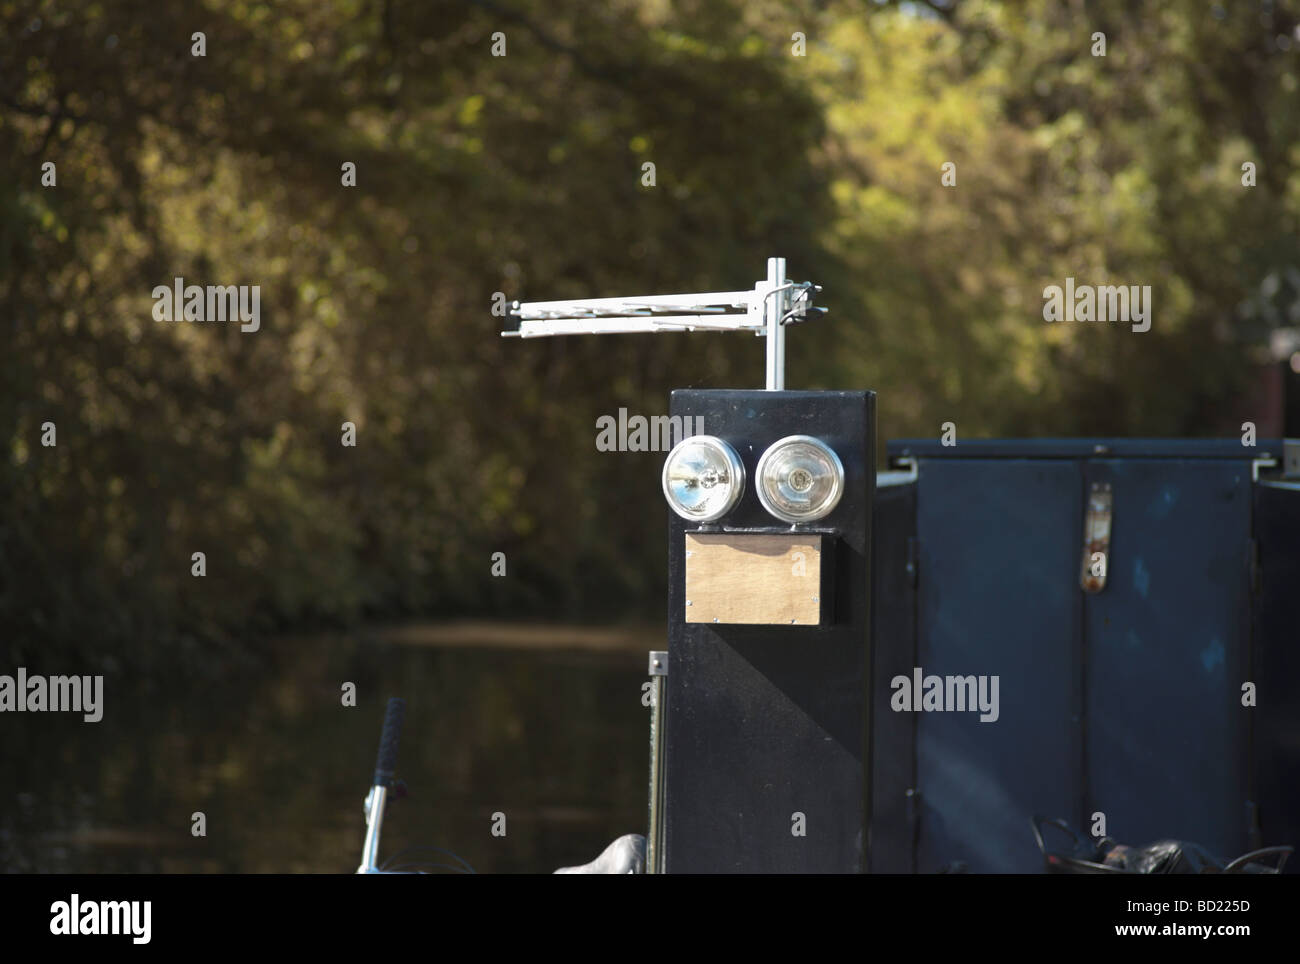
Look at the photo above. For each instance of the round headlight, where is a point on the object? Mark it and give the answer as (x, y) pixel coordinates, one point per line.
(703, 478)
(800, 479)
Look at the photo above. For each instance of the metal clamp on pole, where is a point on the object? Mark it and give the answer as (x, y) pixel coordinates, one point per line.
(766, 310)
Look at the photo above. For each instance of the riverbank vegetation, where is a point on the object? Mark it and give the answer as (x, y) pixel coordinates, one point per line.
(1169, 161)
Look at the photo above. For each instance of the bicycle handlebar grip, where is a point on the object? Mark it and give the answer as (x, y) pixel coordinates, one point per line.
(386, 762)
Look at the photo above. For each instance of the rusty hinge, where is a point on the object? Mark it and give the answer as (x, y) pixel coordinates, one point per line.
(1096, 537)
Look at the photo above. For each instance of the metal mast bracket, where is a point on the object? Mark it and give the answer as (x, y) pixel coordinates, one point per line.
(766, 310)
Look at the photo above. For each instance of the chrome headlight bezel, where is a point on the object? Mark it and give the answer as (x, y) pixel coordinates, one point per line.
(728, 456)
(764, 477)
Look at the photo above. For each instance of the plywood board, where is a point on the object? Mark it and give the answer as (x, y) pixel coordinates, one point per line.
(754, 578)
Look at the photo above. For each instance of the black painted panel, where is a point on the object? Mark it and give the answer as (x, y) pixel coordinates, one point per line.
(1167, 653)
(1276, 670)
(1000, 547)
(893, 741)
(764, 722)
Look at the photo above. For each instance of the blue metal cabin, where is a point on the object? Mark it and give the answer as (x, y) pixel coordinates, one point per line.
(1125, 701)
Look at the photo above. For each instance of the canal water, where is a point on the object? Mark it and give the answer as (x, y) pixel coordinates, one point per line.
(551, 734)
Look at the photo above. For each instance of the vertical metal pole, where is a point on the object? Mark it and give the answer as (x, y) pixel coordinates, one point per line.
(654, 840)
(374, 822)
(775, 330)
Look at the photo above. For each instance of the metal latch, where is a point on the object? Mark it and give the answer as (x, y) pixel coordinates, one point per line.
(1096, 538)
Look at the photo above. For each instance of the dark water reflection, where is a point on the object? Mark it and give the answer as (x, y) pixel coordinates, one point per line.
(557, 740)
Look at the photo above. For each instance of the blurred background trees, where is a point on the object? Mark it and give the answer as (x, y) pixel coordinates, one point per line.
(522, 174)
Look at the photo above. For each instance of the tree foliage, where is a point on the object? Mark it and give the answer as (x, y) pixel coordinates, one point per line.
(522, 174)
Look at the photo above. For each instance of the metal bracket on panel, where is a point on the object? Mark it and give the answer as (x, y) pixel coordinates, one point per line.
(905, 472)
(1096, 537)
(1266, 462)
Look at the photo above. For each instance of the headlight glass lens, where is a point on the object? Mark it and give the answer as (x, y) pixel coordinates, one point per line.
(703, 478)
(800, 479)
